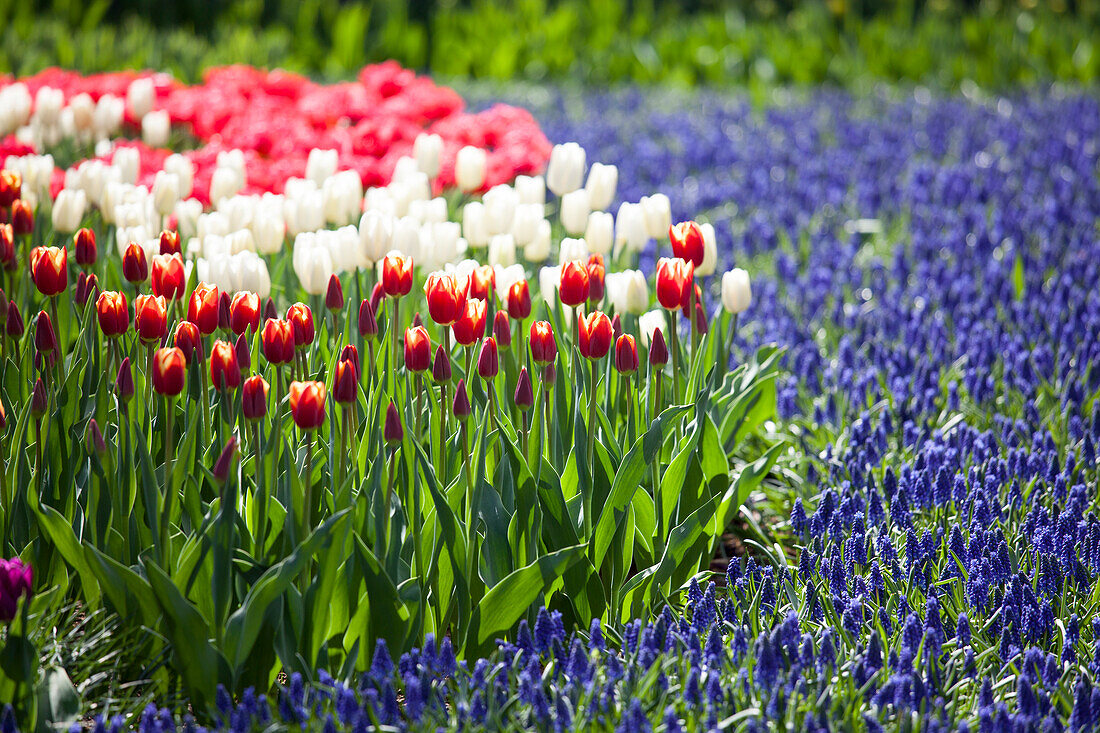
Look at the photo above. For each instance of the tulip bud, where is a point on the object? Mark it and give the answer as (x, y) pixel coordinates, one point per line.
(45, 340)
(616, 327)
(189, 341)
(488, 363)
(22, 218)
(269, 310)
(307, 404)
(626, 354)
(601, 184)
(687, 242)
(301, 320)
(224, 465)
(470, 164)
(223, 311)
(549, 375)
(85, 245)
(345, 382)
(544, 349)
(393, 432)
(254, 397)
(244, 312)
(68, 210)
(441, 367)
(351, 354)
(595, 335)
(524, 396)
(418, 349)
(277, 340)
(575, 211)
(135, 266)
(596, 272)
(502, 330)
(112, 313)
(471, 326)
(124, 382)
(168, 278)
(17, 580)
(599, 232)
(658, 350)
(170, 242)
(49, 269)
(519, 300)
(461, 404)
(334, 294)
(565, 171)
(397, 272)
(225, 372)
(244, 353)
(377, 294)
(202, 308)
(417, 322)
(368, 326)
(700, 319)
(13, 324)
(93, 438)
(657, 210)
(736, 291)
(38, 399)
(7, 246)
(11, 187)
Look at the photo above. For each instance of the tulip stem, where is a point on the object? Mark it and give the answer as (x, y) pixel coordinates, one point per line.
(692, 326)
(654, 465)
(149, 381)
(60, 339)
(729, 342)
(166, 515)
(673, 331)
(419, 387)
(523, 434)
(591, 454)
(261, 493)
(471, 532)
(385, 534)
(307, 487)
(393, 329)
(204, 401)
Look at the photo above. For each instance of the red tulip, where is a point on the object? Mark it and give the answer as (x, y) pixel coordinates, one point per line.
(50, 269)
(124, 382)
(392, 431)
(150, 317)
(224, 464)
(626, 354)
(418, 349)
(13, 324)
(397, 275)
(188, 340)
(93, 438)
(544, 350)
(301, 320)
(85, 246)
(169, 371)
(170, 242)
(596, 273)
(39, 398)
(244, 312)
(519, 300)
(616, 326)
(277, 339)
(223, 311)
(481, 282)
(22, 218)
(700, 319)
(687, 242)
(269, 309)
(11, 187)
(488, 363)
(7, 246)
(471, 326)
(244, 353)
(441, 367)
(461, 403)
(595, 335)
(524, 396)
(111, 309)
(502, 329)
(573, 290)
(658, 349)
(334, 294)
(168, 276)
(254, 397)
(307, 404)
(45, 339)
(674, 280)
(135, 265)
(225, 371)
(368, 325)
(377, 294)
(345, 381)
(202, 308)
(350, 353)
(445, 301)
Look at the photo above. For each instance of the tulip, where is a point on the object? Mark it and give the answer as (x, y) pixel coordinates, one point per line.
(471, 326)
(393, 432)
(595, 268)
(11, 187)
(481, 283)
(736, 291)
(254, 397)
(710, 251)
(49, 269)
(351, 354)
(22, 218)
(345, 382)
(418, 349)
(573, 290)
(488, 362)
(446, 302)
(626, 354)
(397, 272)
(224, 465)
(169, 371)
(13, 323)
(544, 350)
(223, 311)
(630, 227)
(687, 242)
(301, 320)
(68, 210)
(526, 223)
(85, 246)
(87, 285)
(502, 250)
(244, 312)
(368, 325)
(321, 164)
(16, 582)
(538, 249)
(657, 210)
(155, 128)
(169, 243)
(524, 396)
(595, 335)
(312, 264)
(277, 340)
(601, 184)
(169, 279)
(188, 340)
(45, 339)
(427, 149)
(461, 404)
(93, 439)
(111, 310)
(225, 371)
(575, 211)
(135, 265)
(39, 399)
(565, 171)
(441, 367)
(470, 164)
(599, 232)
(519, 300)
(616, 326)
(334, 294)
(572, 249)
(7, 246)
(307, 404)
(244, 353)
(202, 308)
(674, 282)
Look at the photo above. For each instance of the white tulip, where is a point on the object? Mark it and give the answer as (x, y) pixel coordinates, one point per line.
(406, 237)
(441, 242)
(627, 291)
(321, 164)
(187, 214)
(500, 208)
(128, 163)
(649, 322)
(252, 274)
(601, 185)
(140, 97)
(15, 107)
(710, 251)
(565, 172)
(375, 236)
(549, 282)
(572, 249)
(155, 128)
(68, 210)
(574, 211)
(470, 169)
(343, 247)
(506, 277)
(225, 182)
(239, 211)
(47, 106)
(474, 225)
(630, 228)
(658, 215)
(240, 241)
(305, 213)
(83, 111)
(736, 291)
(502, 250)
(214, 223)
(531, 190)
(427, 149)
(269, 233)
(166, 192)
(380, 200)
(312, 263)
(341, 196)
(184, 170)
(234, 160)
(109, 113)
(432, 211)
(538, 249)
(404, 169)
(525, 223)
(600, 232)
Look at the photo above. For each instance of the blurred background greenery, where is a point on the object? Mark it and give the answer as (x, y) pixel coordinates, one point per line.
(943, 43)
